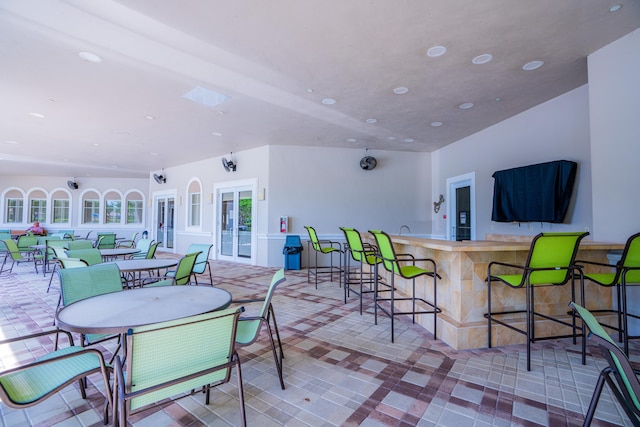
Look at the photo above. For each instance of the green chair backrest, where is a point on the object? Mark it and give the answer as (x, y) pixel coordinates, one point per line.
(618, 361)
(12, 248)
(278, 277)
(631, 259)
(143, 246)
(553, 250)
(66, 262)
(354, 240)
(25, 241)
(91, 256)
(152, 250)
(203, 256)
(387, 253)
(58, 251)
(80, 244)
(4, 236)
(169, 351)
(80, 283)
(68, 234)
(185, 268)
(42, 240)
(106, 241)
(313, 236)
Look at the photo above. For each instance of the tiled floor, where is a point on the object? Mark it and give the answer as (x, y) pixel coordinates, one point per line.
(340, 369)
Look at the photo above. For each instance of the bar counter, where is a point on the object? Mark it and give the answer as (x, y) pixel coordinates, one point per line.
(462, 291)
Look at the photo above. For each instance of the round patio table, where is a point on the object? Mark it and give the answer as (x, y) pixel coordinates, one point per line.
(137, 265)
(112, 253)
(116, 312)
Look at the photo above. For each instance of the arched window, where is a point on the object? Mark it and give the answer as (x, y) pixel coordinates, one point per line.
(135, 204)
(194, 204)
(112, 208)
(37, 206)
(90, 207)
(61, 202)
(14, 207)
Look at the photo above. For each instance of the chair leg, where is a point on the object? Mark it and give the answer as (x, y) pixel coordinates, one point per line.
(55, 267)
(243, 414)
(272, 314)
(489, 310)
(277, 360)
(594, 399)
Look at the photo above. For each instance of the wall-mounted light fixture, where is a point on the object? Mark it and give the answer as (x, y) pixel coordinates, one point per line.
(436, 205)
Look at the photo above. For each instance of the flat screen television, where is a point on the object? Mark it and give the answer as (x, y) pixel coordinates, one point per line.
(534, 193)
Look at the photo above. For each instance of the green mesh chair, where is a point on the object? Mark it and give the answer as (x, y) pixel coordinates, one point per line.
(13, 253)
(174, 358)
(147, 249)
(35, 381)
(79, 244)
(619, 375)
(550, 262)
(249, 327)
(322, 247)
(106, 241)
(202, 261)
(50, 254)
(128, 243)
(25, 242)
(91, 256)
(57, 250)
(625, 272)
(362, 254)
(79, 283)
(404, 265)
(184, 270)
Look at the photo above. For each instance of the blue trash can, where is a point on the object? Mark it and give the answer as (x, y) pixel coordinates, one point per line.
(292, 252)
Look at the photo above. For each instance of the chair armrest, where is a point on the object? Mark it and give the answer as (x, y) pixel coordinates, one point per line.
(152, 281)
(38, 335)
(579, 262)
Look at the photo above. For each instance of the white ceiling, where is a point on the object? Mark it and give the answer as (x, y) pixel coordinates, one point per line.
(276, 60)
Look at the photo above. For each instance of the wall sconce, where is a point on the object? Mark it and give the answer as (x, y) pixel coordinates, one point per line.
(436, 205)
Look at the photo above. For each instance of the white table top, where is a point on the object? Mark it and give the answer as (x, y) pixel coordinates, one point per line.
(118, 311)
(129, 265)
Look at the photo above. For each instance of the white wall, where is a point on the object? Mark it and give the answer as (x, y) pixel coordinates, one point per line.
(614, 93)
(555, 130)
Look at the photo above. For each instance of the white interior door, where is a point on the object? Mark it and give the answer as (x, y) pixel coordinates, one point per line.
(164, 222)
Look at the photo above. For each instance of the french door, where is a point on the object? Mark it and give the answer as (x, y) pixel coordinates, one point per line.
(234, 223)
(164, 214)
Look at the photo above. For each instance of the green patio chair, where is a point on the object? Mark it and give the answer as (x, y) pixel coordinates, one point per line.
(144, 246)
(35, 381)
(323, 247)
(362, 254)
(128, 243)
(202, 261)
(184, 270)
(619, 375)
(83, 282)
(625, 272)
(91, 256)
(106, 241)
(174, 358)
(56, 249)
(25, 243)
(403, 265)
(12, 252)
(550, 262)
(249, 327)
(80, 244)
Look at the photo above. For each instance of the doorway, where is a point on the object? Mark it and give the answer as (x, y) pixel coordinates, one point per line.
(164, 231)
(234, 223)
(461, 207)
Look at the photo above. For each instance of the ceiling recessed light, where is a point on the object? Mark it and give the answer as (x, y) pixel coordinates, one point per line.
(154, 154)
(498, 99)
(91, 57)
(95, 144)
(114, 167)
(615, 8)
(38, 115)
(392, 138)
(310, 90)
(533, 65)
(216, 133)
(328, 101)
(409, 140)
(466, 105)
(436, 51)
(371, 121)
(436, 124)
(400, 90)
(351, 140)
(482, 59)
(12, 142)
(150, 117)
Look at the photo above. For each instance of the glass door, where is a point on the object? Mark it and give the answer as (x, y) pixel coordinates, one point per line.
(235, 231)
(164, 221)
